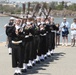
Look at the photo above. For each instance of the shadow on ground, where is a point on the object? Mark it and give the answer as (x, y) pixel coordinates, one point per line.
(42, 66)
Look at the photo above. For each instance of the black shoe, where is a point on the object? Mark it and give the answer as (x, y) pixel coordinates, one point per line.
(52, 54)
(33, 64)
(23, 70)
(19, 74)
(15, 73)
(29, 67)
(10, 53)
(38, 62)
(49, 55)
(45, 57)
(42, 60)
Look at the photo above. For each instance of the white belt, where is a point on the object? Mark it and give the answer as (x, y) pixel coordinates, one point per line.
(43, 34)
(53, 31)
(17, 42)
(26, 36)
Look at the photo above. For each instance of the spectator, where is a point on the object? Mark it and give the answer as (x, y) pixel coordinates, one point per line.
(65, 31)
(73, 33)
(58, 35)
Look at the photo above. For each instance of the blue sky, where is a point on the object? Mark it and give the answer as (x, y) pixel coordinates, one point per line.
(42, 0)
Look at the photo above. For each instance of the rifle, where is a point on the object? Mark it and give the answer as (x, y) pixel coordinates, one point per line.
(23, 8)
(42, 11)
(28, 8)
(14, 16)
(48, 12)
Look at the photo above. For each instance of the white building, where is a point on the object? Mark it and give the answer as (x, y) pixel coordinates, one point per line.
(10, 5)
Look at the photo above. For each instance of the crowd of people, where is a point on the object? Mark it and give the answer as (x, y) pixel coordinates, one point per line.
(32, 40)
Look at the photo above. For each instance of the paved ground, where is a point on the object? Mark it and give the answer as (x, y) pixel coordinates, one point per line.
(62, 63)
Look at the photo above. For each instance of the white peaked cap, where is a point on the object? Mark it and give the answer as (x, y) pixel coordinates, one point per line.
(38, 17)
(21, 16)
(25, 17)
(43, 17)
(28, 23)
(50, 17)
(64, 18)
(12, 18)
(29, 16)
(39, 23)
(42, 23)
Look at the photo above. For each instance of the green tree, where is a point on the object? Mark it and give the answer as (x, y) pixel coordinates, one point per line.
(59, 7)
(72, 7)
(9, 9)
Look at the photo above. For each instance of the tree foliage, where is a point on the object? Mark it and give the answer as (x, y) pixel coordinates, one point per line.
(36, 7)
(9, 9)
(72, 7)
(59, 7)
